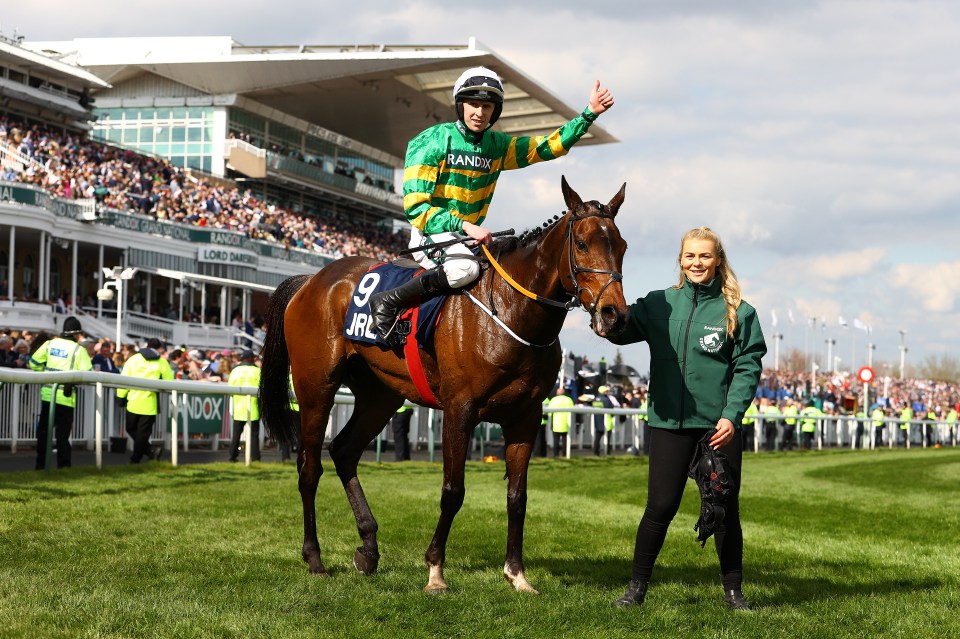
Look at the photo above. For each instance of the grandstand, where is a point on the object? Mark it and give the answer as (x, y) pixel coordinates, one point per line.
(211, 170)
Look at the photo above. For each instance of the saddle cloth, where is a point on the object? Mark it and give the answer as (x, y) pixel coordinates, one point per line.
(383, 277)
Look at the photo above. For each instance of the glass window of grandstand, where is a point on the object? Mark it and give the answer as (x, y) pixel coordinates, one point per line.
(247, 127)
(183, 135)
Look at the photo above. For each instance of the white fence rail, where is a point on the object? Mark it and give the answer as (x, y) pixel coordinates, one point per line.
(98, 419)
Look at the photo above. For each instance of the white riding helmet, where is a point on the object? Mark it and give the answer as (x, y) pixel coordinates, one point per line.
(479, 83)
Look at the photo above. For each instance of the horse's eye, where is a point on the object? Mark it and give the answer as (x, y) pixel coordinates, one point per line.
(581, 245)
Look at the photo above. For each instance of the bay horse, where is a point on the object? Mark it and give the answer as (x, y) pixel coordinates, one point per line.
(478, 367)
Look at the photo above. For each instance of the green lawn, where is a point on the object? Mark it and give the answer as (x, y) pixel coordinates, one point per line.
(838, 544)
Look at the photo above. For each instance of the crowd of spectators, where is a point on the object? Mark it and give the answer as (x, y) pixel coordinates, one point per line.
(75, 167)
(207, 365)
(838, 392)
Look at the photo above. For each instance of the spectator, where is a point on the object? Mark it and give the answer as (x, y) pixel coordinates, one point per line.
(103, 360)
(141, 405)
(245, 407)
(62, 353)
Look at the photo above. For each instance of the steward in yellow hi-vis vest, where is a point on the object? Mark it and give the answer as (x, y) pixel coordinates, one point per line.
(245, 407)
(449, 177)
(560, 422)
(141, 405)
(62, 353)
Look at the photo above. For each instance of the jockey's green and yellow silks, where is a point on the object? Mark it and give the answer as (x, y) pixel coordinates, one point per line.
(449, 177)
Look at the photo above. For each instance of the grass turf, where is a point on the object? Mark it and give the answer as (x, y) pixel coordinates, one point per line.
(837, 544)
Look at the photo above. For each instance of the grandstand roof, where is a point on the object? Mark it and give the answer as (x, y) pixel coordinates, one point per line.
(380, 95)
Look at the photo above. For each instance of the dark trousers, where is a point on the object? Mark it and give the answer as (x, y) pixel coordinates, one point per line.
(770, 435)
(559, 444)
(540, 444)
(140, 427)
(285, 448)
(400, 424)
(670, 454)
(254, 439)
(807, 439)
(598, 440)
(789, 437)
(748, 435)
(878, 435)
(62, 425)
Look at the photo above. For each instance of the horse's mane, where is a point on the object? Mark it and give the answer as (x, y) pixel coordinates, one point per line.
(504, 245)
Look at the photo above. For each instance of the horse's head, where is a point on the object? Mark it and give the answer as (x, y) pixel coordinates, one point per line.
(595, 258)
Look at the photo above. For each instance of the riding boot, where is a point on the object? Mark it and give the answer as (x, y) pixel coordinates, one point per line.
(385, 307)
(635, 594)
(734, 600)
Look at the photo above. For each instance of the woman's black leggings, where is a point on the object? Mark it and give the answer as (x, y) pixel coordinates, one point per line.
(670, 453)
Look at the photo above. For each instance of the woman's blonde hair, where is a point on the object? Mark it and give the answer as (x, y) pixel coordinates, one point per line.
(728, 279)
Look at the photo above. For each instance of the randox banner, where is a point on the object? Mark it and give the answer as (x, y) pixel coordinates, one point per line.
(203, 413)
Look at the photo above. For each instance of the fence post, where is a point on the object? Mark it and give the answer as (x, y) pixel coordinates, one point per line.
(173, 429)
(98, 426)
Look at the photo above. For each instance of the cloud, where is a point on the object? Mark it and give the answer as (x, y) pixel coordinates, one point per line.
(935, 288)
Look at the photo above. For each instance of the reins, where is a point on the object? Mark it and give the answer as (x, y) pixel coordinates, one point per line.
(575, 269)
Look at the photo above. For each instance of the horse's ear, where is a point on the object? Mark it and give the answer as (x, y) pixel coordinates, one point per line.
(617, 200)
(569, 195)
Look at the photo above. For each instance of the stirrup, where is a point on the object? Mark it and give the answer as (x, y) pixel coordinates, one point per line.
(396, 334)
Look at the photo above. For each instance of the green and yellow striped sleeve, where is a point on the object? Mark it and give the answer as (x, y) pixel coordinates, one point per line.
(423, 165)
(524, 151)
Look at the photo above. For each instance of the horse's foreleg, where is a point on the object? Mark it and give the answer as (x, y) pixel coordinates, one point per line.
(519, 448)
(455, 442)
(375, 403)
(310, 468)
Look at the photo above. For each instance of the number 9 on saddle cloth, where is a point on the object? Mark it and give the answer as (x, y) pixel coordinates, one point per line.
(384, 277)
(711, 471)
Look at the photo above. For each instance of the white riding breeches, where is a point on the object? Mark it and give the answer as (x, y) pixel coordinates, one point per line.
(460, 272)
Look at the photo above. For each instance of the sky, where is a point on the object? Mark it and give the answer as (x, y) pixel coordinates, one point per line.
(820, 140)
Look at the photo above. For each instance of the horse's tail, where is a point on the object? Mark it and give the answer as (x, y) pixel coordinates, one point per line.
(274, 388)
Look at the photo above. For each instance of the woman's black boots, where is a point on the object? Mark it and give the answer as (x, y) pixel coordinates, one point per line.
(634, 596)
(734, 600)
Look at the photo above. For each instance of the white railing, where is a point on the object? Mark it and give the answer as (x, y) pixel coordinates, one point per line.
(233, 143)
(20, 406)
(12, 158)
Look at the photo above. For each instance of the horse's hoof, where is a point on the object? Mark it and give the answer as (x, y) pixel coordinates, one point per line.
(435, 589)
(519, 581)
(366, 561)
(322, 572)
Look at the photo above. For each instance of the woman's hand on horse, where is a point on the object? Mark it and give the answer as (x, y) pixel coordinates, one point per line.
(600, 98)
(724, 434)
(477, 233)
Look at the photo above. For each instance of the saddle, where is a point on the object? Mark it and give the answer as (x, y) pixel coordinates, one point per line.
(419, 321)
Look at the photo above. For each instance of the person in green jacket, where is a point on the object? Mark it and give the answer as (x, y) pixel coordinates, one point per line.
(141, 405)
(450, 174)
(245, 407)
(705, 352)
(560, 421)
(62, 353)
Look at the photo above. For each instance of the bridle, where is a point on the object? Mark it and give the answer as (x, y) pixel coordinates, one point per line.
(575, 269)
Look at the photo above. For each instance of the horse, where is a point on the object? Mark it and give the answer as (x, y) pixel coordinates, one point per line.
(492, 364)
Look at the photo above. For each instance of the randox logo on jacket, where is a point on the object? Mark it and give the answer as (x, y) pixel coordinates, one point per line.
(471, 161)
(712, 342)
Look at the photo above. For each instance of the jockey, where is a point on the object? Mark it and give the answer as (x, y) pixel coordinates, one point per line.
(450, 174)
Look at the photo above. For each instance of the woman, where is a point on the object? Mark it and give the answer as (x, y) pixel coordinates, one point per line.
(705, 351)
